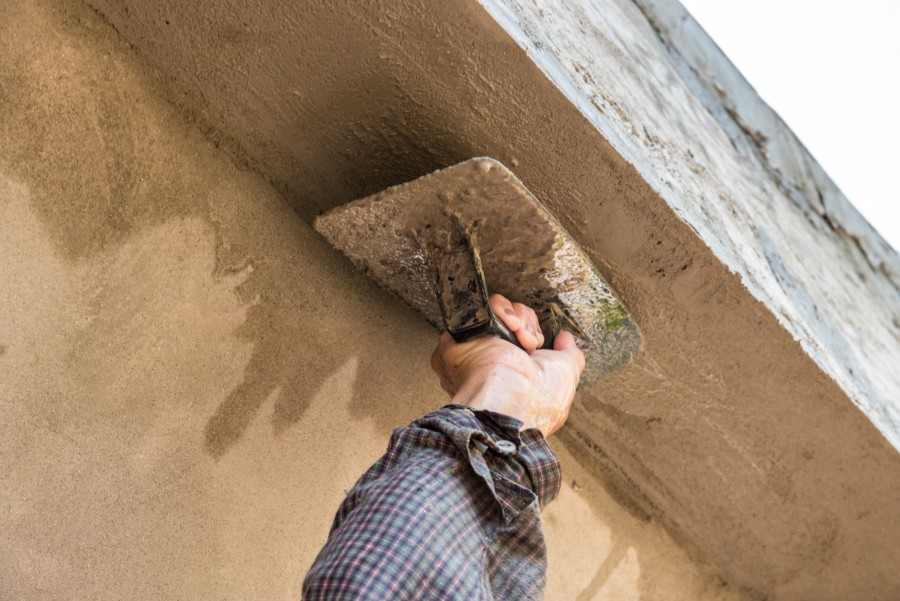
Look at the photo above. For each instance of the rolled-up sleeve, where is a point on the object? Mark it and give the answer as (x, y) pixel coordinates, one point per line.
(451, 511)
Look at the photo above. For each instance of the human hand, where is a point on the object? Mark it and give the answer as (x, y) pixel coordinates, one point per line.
(534, 385)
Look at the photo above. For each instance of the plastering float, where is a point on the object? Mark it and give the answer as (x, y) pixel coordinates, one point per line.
(440, 242)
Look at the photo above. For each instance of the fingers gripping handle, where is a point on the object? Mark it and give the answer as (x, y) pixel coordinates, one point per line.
(460, 288)
(494, 327)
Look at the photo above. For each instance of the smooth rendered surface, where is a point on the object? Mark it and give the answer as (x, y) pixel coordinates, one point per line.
(730, 427)
(190, 378)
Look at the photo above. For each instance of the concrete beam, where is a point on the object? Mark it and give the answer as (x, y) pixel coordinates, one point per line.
(758, 421)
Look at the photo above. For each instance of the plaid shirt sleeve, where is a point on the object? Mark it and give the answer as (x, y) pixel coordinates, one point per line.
(451, 511)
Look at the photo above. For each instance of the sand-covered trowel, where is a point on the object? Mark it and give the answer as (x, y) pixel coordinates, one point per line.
(442, 241)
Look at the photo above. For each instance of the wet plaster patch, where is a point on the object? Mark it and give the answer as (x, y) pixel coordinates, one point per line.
(723, 427)
(192, 379)
(127, 174)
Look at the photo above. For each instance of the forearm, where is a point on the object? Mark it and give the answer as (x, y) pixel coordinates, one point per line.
(457, 491)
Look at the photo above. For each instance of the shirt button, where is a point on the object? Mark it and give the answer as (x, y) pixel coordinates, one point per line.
(506, 447)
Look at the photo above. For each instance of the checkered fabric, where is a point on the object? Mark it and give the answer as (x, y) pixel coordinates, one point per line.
(451, 511)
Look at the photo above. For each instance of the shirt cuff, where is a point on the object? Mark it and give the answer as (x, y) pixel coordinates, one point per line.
(468, 427)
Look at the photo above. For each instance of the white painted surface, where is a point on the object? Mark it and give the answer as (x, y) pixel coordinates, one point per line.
(674, 106)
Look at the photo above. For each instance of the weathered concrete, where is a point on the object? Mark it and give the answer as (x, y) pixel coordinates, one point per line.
(734, 171)
(190, 378)
(737, 425)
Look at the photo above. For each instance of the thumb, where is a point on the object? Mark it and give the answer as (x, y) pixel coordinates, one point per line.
(565, 343)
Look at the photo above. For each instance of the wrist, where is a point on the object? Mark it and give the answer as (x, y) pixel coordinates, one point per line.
(502, 390)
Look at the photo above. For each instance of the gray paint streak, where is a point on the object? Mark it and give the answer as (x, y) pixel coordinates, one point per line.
(662, 92)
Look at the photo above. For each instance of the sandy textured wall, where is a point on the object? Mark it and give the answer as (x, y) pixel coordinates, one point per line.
(190, 378)
(724, 427)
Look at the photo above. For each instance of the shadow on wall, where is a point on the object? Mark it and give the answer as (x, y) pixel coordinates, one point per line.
(135, 163)
(383, 144)
(307, 320)
(601, 551)
(369, 146)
